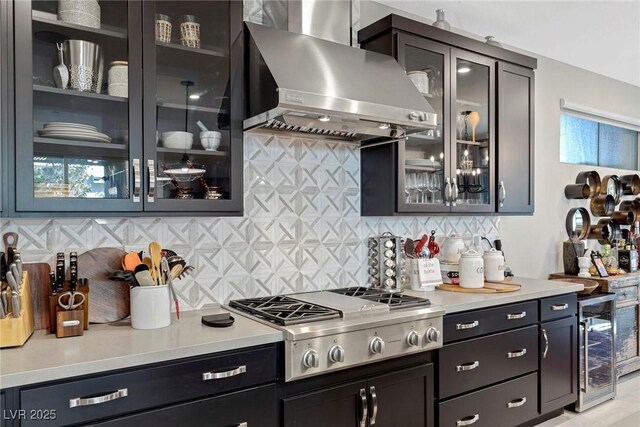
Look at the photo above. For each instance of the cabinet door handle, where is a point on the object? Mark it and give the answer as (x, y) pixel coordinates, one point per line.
(546, 343)
(585, 334)
(467, 421)
(454, 192)
(374, 404)
(364, 410)
(151, 191)
(514, 354)
(226, 374)
(447, 191)
(467, 366)
(517, 402)
(515, 316)
(559, 307)
(136, 181)
(88, 401)
(502, 194)
(468, 325)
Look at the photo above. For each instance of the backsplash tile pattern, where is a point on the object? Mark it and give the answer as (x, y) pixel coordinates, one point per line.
(301, 231)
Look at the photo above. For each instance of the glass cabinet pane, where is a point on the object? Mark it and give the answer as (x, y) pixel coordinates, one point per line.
(425, 153)
(597, 370)
(192, 100)
(472, 124)
(80, 101)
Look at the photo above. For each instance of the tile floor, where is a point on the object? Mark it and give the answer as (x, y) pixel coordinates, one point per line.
(623, 411)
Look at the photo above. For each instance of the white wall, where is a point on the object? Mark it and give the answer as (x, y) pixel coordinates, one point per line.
(532, 244)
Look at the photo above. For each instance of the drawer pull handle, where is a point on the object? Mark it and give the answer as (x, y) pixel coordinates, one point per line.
(517, 402)
(467, 366)
(514, 354)
(469, 325)
(559, 307)
(546, 344)
(88, 401)
(364, 409)
(220, 375)
(514, 316)
(467, 421)
(374, 404)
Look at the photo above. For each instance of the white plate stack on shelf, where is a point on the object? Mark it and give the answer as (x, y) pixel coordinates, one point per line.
(118, 79)
(80, 12)
(73, 131)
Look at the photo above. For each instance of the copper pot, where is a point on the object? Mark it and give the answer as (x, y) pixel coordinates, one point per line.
(630, 185)
(592, 178)
(603, 205)
(605, 231)
(577, 191)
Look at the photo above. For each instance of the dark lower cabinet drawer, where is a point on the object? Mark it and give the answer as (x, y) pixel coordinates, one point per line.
(253, 407)
(479, 362)
(558, 307)
(487, 321)
(504, 405)
(77, 402)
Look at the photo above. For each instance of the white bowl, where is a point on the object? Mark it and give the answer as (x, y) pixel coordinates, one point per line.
(177, 139)
(210, 140)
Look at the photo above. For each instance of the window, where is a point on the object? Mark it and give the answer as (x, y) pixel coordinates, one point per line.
(587, 142)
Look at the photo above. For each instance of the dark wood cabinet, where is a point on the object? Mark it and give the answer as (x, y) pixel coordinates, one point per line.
(401, 398)
(105, 146)
(515, 191)
(558, 364)
(453, 168)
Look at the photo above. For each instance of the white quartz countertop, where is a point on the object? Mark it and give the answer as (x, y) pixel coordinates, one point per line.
(455, 302)
(115, 346)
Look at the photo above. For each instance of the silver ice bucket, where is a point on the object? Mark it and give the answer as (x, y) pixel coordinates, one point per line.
(85, 61)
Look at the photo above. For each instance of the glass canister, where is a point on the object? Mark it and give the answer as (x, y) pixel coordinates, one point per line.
(387, 263)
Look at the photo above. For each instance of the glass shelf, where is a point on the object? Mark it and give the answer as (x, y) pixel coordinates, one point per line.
(44, 21)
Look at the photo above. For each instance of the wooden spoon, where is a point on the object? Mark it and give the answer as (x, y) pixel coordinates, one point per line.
(155, 251)
(474, 119)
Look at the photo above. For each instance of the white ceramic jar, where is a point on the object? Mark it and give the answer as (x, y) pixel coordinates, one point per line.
(493, 265)
(150, 307)
(452, 248)
(471, 270)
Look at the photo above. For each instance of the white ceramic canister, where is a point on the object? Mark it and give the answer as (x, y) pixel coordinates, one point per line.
(471, 270)
(493, 265)
(150, 307)
(420, 80)
(452, 247)
(118, 73)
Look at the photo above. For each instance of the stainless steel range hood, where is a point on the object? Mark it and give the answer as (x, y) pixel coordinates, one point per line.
(304, 84)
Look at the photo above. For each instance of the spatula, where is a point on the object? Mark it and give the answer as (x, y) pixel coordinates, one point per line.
(155, 252)
(131, 261)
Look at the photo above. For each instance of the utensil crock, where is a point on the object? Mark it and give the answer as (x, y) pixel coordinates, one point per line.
(150, 307)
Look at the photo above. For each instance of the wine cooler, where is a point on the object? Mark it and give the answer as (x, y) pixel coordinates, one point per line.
(596, 350)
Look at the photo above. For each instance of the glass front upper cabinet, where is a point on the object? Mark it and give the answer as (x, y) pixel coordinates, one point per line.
(190, 138)
(472, 119)
(76, 137)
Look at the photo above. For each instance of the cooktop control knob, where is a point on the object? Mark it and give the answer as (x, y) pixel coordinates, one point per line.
(336, 354)
(376, 346)
(432, 334)
(311, 359)
(413, 339)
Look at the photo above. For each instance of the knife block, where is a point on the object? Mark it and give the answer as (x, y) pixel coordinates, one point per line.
(54, 308)
(15, 331)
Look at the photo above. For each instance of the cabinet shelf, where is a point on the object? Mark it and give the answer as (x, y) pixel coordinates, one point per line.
(44, 21)
(70, 148)
(190, 107)
(479, 144)
(191, 50)
(70, 92)
(426, 137)
(192, 152)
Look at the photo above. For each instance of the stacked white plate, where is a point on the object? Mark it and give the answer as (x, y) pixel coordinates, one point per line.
(74, 131)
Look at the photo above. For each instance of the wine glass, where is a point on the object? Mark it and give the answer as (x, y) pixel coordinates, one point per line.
(436, 186)
(423, 186)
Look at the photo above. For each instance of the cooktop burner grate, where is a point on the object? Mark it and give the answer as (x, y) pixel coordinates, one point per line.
(284, 310)
(393, 299)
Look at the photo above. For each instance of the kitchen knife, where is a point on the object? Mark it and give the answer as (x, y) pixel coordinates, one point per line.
(4, 301)
(15, 304)
(3, 311)
(10, 244)
(3, 266)
(17, 258)
(16, 276)
(12, 282)
(60, 269)
(52, 279)
(73, 270)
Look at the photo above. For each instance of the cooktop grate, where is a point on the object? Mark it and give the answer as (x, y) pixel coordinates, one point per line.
(284, 310)
(395, 300)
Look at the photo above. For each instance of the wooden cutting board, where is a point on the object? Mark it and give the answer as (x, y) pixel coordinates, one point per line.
(40, 289)
(489, 288)
(109, 301)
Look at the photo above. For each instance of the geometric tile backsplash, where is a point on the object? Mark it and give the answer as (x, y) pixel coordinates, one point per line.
(301, 229)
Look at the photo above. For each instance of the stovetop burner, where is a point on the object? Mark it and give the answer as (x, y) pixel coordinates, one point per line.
(393, 299)
(284, 310)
